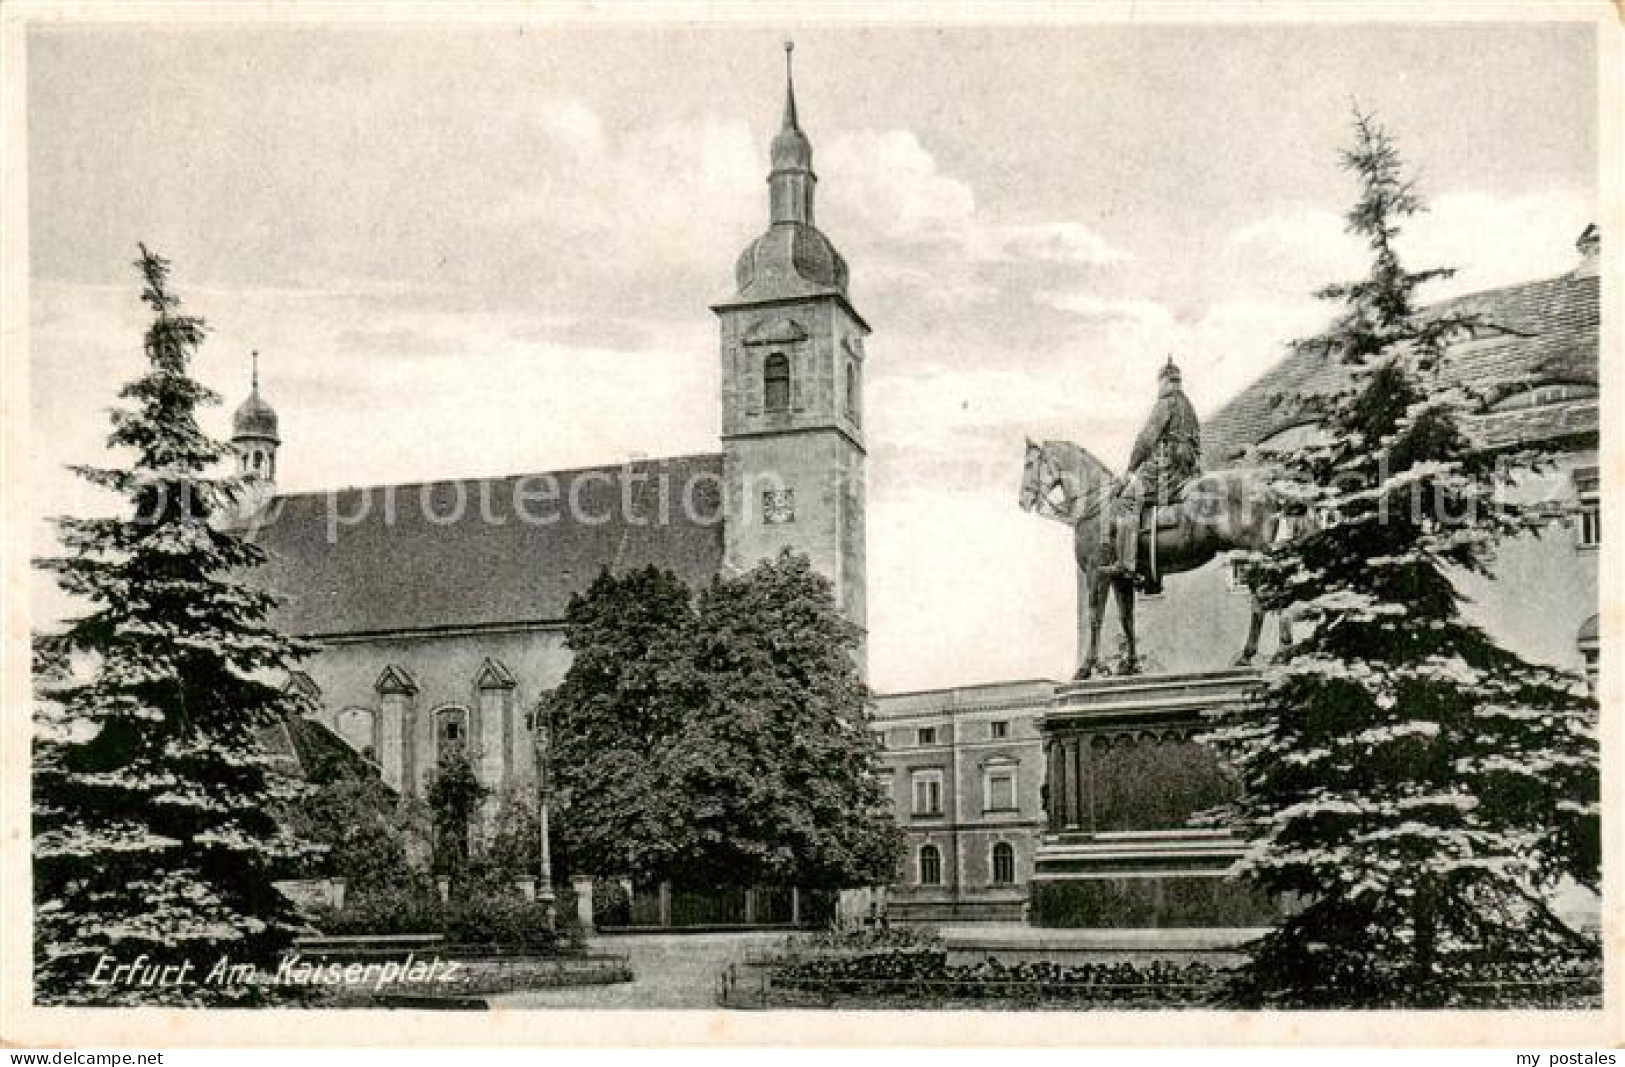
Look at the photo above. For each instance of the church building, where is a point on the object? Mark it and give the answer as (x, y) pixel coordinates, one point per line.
(439, 607)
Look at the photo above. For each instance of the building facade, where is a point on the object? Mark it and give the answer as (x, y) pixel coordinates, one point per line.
(966, 772)
(1536, 376)
(438, 608)
(1106, 773)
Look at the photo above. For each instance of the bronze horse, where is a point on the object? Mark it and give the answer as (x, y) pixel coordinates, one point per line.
(1221, 511)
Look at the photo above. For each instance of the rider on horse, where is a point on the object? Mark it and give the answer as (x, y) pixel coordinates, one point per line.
(1167, 455)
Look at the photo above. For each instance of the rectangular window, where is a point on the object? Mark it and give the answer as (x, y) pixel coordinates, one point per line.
(928, 792)
(998, 730)
(926, 735)
(999, 789)
(1588, 487)
(880, 738)
(1591, 658)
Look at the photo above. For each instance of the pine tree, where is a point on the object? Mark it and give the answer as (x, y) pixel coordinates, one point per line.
(1419, 789)
(156, 837)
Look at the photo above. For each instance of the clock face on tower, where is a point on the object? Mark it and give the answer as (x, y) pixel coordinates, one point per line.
(778, 506)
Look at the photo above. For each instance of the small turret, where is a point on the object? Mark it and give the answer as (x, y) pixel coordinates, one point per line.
(254, 434)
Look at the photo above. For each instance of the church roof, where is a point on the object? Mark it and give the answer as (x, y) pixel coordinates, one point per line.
(1553, 339)
(484, 551)
(255, 418)
(792, 260)
(318, 754)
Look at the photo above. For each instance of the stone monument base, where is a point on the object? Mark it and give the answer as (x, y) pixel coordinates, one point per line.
(1124, 780)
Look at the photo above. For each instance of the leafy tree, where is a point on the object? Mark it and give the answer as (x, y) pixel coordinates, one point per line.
(723, 741)
(155, 810)
(613, 716)
(455, 794)
(367, 832)
(780, 757)
(1419, 788)
(513, 848)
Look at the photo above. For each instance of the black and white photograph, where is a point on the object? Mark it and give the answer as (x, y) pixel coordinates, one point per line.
(1085, 515)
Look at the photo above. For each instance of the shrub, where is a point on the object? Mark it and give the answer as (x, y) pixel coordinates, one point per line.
(477, 917)
(924, 970)
(611, 903)
(392, 910)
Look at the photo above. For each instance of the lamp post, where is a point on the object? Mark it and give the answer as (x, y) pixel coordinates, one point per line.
(544, 795)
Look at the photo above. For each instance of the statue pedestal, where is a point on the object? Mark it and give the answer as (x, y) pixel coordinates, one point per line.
(1123, 780)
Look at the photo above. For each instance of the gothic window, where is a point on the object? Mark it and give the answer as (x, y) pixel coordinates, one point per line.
(450, 731)
(776, 383)
(927, 787)
(1588, 486)
(1004, 864)
(930, 865)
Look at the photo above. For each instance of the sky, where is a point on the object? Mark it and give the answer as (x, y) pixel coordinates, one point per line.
(481, 250)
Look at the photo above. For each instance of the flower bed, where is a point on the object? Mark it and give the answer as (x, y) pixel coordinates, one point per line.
(921, 977)
(924, 974)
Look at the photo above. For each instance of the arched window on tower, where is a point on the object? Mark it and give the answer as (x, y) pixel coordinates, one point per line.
(776, 383)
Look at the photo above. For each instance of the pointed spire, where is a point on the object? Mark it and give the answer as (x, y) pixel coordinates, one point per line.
(790, 122)
(792, 175)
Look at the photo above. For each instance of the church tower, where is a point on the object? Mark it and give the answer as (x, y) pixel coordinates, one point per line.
(792, 386)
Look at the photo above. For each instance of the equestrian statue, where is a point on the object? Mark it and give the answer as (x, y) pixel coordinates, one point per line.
(1164, 516)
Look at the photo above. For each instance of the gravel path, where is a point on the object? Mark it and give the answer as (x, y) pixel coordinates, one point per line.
(671, 971)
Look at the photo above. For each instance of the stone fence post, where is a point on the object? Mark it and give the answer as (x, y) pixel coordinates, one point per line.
(582, 884)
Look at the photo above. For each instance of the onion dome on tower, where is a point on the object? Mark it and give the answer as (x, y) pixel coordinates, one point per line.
(793, 258)
(254, 433)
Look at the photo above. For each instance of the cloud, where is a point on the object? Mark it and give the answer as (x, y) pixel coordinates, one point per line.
(1494, 241)
(891, 192)
(639, 197)
(1490, 240)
